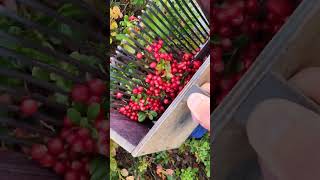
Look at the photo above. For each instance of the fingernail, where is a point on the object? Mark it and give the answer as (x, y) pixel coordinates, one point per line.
(194, 101)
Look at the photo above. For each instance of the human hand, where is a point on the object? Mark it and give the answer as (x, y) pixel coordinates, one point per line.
(199, 106)
(286, 135)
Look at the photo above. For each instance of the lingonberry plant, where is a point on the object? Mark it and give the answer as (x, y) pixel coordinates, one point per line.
(168, 76)
(240, 31)
(85, 133)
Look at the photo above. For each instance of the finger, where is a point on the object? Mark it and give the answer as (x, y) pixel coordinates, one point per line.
(286, 137)
(307, 81)
(199, 106)
(206, 87)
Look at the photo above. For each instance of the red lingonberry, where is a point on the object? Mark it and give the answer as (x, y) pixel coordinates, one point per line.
(77, 145)
(139, 55)
(84, 177)
(119, 95)
(80, 93)
(84, 133)
(55, 146)
(47, 160)
(67, 122)
(89, 145)
(77, 166)
(28, 107)
(149, 49)
(153, 65)
(166, 101)
(38, 151)
(71, 175)
(60, 167)
(97, 87)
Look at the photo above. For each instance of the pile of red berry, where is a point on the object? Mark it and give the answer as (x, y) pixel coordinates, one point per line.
(70, 152)
(90, 92)
(168, 77)
(241, 29)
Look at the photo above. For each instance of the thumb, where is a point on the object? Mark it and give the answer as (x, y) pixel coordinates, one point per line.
(199, 106)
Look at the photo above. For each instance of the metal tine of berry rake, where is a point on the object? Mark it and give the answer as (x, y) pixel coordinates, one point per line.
(191, 20)
(142, 29)
(52, 13)
(134, 59)
(122, 56)
(129, 58)
(135, 74)
(117, 88)
(21, 92)
(205, 29)
(186, 48)
(116, 79)
(178, 23)
(168, 38)
(120, 88)
(118, 74)
(205, 20)
(60, 56)
(147, 42)
(4, 52)
(174, 27)
(114, 99)
(138, 45)
(13, 140)
(137, 49)
(128, 74)
(183, 20)
(38, 115)
(158, 35)
(28, 127)
(32, 80)
(75, 46)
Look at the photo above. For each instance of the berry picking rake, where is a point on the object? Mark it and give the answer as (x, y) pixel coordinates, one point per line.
(45, 48)
(180, 29)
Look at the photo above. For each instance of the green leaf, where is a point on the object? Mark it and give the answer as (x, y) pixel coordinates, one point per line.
(150, 116)
(61, 98)
(40, 74)
(81, 108)
(121, 37)
(91, 60)
(93, 111)
(99, 168)
(74, 115)
(94, 133)
(84, 122)
(65, 29)
(168, 70)
(142, 116)
(153, 113)
(137, 2)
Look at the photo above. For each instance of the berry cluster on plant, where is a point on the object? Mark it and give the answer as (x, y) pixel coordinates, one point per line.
(85, 133)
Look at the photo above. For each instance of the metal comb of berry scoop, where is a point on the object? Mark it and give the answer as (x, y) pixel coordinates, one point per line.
(183, 27)
(11, 43)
